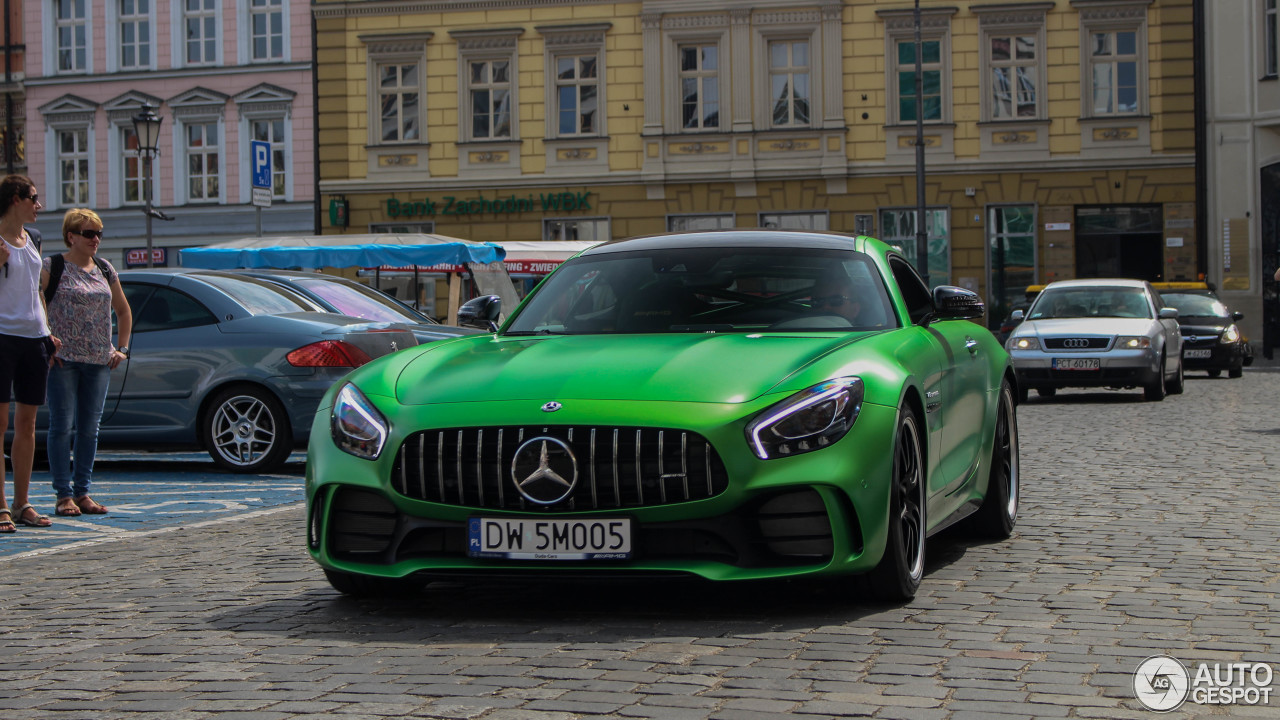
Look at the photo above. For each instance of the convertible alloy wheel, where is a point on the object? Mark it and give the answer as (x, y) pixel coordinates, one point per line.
(900, 571)
(999, 511)
(246, 430)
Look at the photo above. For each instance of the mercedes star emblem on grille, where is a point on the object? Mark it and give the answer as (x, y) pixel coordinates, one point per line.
(1075, 343)
(551, 406)
(544, 470)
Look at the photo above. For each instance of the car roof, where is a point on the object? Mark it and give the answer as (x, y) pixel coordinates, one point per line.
(762, 238)
(1097, 282)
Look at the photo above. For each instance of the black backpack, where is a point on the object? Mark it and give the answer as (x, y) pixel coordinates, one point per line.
(58, 263)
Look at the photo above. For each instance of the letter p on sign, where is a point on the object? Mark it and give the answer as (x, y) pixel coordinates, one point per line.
(261, 163)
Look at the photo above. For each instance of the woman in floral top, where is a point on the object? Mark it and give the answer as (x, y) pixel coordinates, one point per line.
(80, 315)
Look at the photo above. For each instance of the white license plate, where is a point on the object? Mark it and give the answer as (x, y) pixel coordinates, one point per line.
(1197, 354)
(537, 539)
(1076, 364)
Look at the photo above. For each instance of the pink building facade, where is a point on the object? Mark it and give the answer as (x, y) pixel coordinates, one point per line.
(220, 74)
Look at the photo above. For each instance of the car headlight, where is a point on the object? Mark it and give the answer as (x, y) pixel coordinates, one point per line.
(1026, 342)
(356, 425)
(1230, 335)
(807, 421)
(1132, 342)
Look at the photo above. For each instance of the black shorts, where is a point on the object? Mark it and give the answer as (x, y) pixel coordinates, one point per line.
(24, 368)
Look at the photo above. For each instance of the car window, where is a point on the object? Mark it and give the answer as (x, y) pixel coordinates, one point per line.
(164, 308)
(258, 296)
(358, 301)
(1101, 301)
(709, 290)
(914, 291)
(1189, 305)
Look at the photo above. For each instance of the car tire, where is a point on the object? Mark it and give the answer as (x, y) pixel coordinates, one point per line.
(367, 586)
(1215, 373)
(246, 430)
(1155, 390)
(1046, 392)
(1178, 383)
(898, 576)
(998, 513)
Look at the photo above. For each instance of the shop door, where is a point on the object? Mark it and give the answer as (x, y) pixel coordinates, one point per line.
(1270, 207)
(1011, 258)
(1120, 241)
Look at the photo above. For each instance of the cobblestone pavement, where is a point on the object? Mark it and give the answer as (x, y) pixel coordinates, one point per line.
(1146, 528)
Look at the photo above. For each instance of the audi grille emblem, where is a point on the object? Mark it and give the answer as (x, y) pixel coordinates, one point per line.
(1075, 343)
(544, 470)
(551, 406)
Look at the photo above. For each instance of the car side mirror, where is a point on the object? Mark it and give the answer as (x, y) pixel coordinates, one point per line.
(481, 313)
(1167, 313)
(1237, 315)
(956, 303)
(1017, 315)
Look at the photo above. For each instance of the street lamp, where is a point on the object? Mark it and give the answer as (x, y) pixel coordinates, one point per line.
(146, 125)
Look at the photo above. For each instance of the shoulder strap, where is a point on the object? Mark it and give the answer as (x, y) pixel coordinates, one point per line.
(56, 263)
(105, 269)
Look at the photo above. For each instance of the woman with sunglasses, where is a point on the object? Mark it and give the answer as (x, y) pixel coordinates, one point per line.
(85, 294)
(25, 345)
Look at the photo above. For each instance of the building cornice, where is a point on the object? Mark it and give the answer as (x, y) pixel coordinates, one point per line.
(409, 7)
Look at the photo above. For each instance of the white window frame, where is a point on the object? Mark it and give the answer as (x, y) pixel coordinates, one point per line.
(795, 219)
(400, 50)
(52, 30)
(183, 189)
(792, 71)
(1270, 39)
(703, 31)
(1014, 22)
(121, 155)
(1111, 18)
(555, 83)
(54, 199)
(694, 222)
(555, 228)
(116, 21)
(487, 47)
(280, 146)
(934, 26)
(181, 42)
(244, 32)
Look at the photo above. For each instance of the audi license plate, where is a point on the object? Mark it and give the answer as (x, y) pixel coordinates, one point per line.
(1077, 363)
(536, 539)
(1197, 354)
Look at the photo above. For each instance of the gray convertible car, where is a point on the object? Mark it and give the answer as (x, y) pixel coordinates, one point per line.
(230, 363)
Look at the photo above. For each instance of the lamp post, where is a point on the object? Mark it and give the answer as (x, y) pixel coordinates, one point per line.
(146, 125)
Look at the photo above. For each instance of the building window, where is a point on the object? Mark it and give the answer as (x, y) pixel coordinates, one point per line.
(898, 228)
(577, 88)
(575, 229)
(135, 34)
(789, 90)
(1014, 76)
(1113, 42)
(272, 130)
(1011, 257)
(200, 31)
(935, 66)
(399, 91)
(266, 30)
(1271, 29)
(402, 228)
(133, 168)
(72, 33)
(73, 167)
(687, 223)
(202, 161)
(930, 96)
(699, 79)
(795, 220)
(489, 85)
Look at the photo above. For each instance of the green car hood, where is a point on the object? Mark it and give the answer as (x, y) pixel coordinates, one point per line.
(715, 368)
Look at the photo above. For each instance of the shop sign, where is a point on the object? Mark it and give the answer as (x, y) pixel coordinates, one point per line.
(455, 206)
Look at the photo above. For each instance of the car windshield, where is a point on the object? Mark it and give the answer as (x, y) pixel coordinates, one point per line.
(260, 297)
(1100, 301)
(1191, 305)
(359, 301)
(685, 290)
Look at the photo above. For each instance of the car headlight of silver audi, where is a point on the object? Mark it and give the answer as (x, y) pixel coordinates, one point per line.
(356, 425)
(1132, 342)
(1230, 335)
(807, 421)
(1025, 342)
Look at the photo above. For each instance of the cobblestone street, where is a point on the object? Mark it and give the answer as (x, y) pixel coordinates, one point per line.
(1146, 528)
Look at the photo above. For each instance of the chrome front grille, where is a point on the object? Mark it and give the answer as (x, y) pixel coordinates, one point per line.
(1076, 343)
(617, 467)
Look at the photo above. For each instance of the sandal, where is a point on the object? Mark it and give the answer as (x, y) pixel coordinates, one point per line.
(67, 507)
(89, 506)
(40, 520)
(6, 525)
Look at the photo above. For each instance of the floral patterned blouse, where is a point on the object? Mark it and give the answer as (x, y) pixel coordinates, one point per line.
(80, 314)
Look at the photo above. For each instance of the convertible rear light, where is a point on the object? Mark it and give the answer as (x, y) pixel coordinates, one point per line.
(328, 353)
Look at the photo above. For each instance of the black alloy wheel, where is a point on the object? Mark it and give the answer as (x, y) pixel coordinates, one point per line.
(999, 511)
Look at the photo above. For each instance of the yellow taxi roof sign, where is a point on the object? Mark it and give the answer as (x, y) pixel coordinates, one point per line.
(1181, 285)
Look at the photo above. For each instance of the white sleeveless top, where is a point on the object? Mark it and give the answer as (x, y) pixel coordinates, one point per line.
(21, 312)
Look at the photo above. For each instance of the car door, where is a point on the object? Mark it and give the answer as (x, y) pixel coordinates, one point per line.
(1172, 332)
(170, 354)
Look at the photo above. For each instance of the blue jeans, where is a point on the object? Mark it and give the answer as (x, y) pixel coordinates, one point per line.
(77, 392)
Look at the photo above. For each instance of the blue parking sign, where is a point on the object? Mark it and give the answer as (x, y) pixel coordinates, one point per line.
(261, 161)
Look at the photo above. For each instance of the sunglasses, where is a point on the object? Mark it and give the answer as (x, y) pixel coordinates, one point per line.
(91, 234)
(830, 300)
(33, 197)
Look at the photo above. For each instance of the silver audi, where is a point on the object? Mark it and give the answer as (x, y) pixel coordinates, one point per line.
(1097, 333)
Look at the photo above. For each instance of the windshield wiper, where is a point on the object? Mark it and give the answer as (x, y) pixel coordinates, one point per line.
(526, 333)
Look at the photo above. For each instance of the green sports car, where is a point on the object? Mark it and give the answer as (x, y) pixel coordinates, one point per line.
(732, 405)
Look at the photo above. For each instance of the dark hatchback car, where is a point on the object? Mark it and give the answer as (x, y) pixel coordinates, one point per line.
(1211, 340)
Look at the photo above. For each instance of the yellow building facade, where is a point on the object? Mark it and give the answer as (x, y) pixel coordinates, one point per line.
(1059, 135)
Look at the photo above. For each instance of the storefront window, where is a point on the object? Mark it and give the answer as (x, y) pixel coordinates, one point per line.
(687, 223)
(898, 228)
(1011, 257)
(575, 229)
(795, 220)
